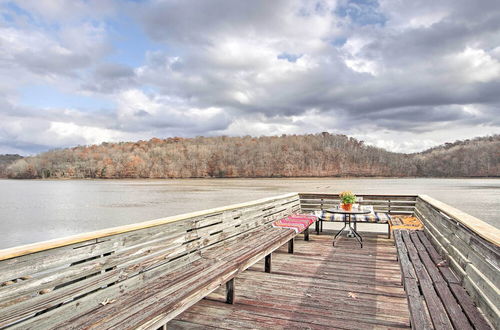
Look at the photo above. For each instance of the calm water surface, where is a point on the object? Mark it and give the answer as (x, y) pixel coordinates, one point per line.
(36, 210)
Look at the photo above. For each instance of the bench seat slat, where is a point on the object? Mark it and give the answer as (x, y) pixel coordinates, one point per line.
(159, 295)
(456, 315)
(437, 259)
(62, 294)
(449, 305)
(436, 309)
(469, 307)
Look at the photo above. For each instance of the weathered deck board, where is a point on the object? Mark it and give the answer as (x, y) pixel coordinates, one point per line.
(431, 293)
(457, 317)
(317, 287)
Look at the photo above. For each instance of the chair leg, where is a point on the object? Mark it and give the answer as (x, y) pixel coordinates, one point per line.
(290, 246)
(317, 227)
(267, 263)
(306, 234)
(388, 230)
(230, 291)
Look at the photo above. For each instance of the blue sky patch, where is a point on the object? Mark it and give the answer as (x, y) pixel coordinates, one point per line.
(130, 43)
(289, 57)
(44, 96)
(339, 41)
(361, 12)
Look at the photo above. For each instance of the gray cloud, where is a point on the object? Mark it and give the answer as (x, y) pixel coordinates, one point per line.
(110, 77)
(201, 22)
(426, 68)
(415, 68)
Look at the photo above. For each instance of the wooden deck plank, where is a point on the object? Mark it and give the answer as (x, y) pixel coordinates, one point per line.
(338, 302)
(321, 316)
(315, 288)
(184, 325)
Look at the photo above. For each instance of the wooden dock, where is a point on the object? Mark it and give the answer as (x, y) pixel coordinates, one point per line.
(317, 287)
(184, 271)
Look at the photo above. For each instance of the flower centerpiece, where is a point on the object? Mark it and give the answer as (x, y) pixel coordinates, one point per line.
(347, 198)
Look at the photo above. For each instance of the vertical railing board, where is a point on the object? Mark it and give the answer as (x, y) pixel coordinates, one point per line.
(472, 257)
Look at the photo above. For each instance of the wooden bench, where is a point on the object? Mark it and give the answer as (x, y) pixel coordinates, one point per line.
(140, 278)
(436, 298)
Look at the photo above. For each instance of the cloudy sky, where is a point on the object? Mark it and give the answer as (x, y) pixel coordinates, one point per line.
(403, 75)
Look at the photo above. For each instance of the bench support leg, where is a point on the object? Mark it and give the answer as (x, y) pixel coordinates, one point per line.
(230, 291)
(306, 234)
(267, 263)
(388, 230)
(290, 246)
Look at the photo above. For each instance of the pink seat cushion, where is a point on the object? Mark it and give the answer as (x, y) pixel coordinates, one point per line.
(297, 222)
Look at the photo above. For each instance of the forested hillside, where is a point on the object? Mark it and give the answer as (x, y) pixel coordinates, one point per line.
(272, 156)
(6, 161)
(477, 157)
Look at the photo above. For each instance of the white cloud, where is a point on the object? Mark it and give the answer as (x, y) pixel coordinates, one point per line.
(86, 134)
(68, 11)
(476, 65)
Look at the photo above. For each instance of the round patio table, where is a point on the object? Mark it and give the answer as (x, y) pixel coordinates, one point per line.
(348, 221)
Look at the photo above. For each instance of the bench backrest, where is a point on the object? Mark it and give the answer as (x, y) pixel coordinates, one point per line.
(392, 204)
(72, 273)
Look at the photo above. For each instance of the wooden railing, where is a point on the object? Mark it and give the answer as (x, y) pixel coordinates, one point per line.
(393, 204)
(472, 248)
(53, 279)
(45, 283)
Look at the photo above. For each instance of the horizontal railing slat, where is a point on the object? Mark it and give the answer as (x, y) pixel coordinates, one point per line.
(48, 245)
(393, 204)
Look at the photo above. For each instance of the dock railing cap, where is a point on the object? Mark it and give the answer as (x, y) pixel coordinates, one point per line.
(478, 226)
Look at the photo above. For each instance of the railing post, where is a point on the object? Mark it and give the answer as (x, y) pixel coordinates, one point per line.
(230, 291)
(267, 263)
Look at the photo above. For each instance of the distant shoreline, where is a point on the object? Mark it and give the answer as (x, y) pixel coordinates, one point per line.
(297, 156)
(256, 178)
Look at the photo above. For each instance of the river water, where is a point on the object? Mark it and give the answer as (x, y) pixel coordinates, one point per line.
(38, 210)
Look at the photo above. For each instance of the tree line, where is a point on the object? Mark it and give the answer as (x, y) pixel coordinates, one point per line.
(311, 155)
